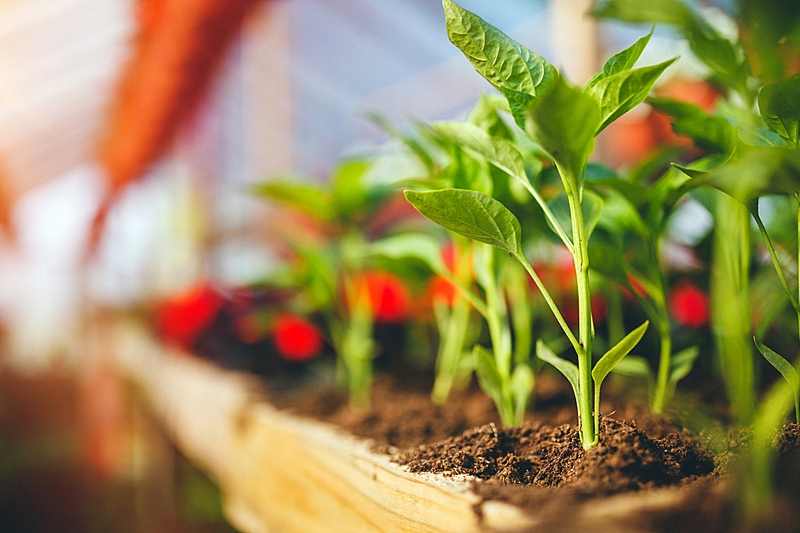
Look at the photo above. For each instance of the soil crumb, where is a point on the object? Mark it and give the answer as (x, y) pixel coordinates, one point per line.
(401, 415)
(625, 459)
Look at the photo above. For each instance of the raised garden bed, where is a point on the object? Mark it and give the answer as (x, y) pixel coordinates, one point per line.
(282, 472)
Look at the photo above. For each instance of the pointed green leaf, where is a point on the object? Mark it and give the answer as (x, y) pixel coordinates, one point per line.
(711, 133)
(568, 368)
(757, 136)
(564, 122)
(682, 363)
(471, 214)
(634, 365)
(666, 11)
(779, 104)
(488, 376)
(498, 152)
(621, 61)
(781, 365)
(302, 196)
(621, 92)
(615, 354)
(486, 117)
(624, 60)
(411, 245)
(522, 383)
(518, 73)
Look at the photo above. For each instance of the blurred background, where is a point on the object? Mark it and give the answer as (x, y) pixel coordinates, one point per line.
(130, 131)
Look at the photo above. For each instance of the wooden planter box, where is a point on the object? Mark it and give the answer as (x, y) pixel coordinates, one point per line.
(282, 473)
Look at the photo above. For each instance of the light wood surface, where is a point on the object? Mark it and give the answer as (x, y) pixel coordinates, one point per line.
(282, 473)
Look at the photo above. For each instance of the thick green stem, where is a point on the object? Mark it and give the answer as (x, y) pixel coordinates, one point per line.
(586, 407)
(664, 370)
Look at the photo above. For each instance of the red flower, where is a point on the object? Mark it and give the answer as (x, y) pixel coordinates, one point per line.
(181, 319)
(388, 296)
(441, 288)
(688, 304)
(296, 338)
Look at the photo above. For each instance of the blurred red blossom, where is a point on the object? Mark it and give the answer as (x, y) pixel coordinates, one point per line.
(296, 338)
(388, 296)
(688, 304)
(182, 318)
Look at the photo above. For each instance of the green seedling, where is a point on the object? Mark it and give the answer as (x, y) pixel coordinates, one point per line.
(760, 158)
(330, 276)
(467, 155)
(563, 121)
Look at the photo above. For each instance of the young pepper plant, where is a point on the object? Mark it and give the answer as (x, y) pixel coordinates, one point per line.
(454, 155)
(334, 272)
(563, 120)
(729, 68)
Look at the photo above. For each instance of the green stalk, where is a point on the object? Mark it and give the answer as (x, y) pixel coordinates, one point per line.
(797, 199)
(452, 346)
(496, 319)
(587, 412)
(774, 257)
(731, 305)
(664, 367)
(499, 333)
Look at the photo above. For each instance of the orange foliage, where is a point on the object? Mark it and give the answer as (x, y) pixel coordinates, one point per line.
(180, 45)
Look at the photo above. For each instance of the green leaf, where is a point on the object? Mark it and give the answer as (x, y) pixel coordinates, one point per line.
(518, 73)
(522, 383)
(620, 214)
(725, 58)
(755, 172)
(568, 368)
(621, 61)
(592, 207)
(488, 375)
(564, 122)
(682, 363)
(636, 11)
(635, 366)
(621, 92)
(349, 193)
(471, 214)
(711, 133)
(781, 365)
(413, 144)
(486, 117)
(757, 136)
(498, 152)
(615, 354)
(779, 104)
(301, 196)
(411, 245)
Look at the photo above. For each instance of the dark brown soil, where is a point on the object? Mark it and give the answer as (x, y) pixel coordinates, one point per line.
(401, 415)
(542, 465)
(625, 459)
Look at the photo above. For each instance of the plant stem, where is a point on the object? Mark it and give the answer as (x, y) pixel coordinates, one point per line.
(774, 256)
(797, 199)
(451, 348)
(664, 367)
(731, 304)
(586, 410)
